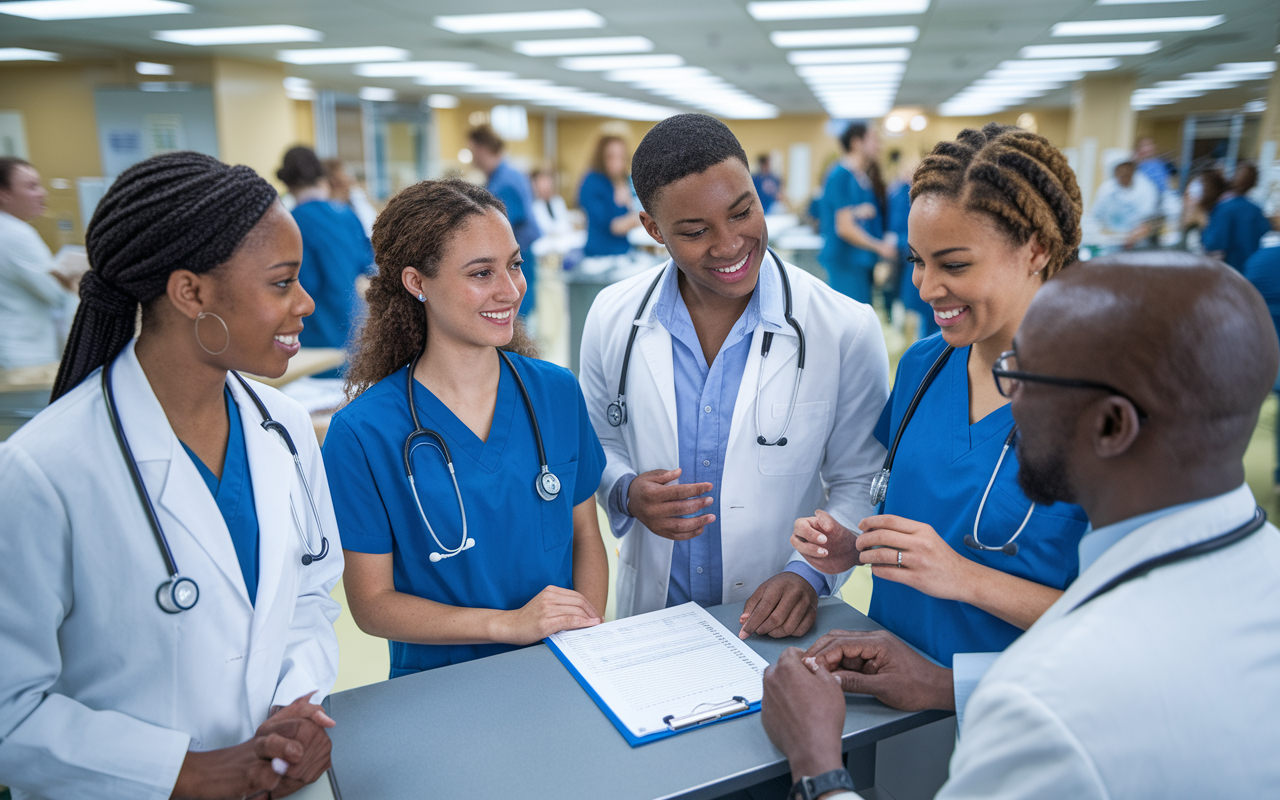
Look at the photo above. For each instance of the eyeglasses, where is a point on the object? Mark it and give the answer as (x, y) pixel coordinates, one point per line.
(1008, 378)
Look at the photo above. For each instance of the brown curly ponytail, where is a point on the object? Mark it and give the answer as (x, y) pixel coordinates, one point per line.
(1017, 178)
(413, 231)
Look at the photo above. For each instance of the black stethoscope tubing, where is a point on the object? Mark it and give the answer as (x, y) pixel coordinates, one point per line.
(616, 412)
(181, 593)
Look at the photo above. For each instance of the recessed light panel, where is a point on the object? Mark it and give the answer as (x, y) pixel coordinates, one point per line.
(23, 54)
(600, 45)
(409, 69)
(1115, 27)
(904, 34)
(1091, 50)
(833, 9)
(377, 94)
(567, 19)
(342, 55)
(251, 34)
(91, 9)
(860, 56)
(152, 68)
(603, 63)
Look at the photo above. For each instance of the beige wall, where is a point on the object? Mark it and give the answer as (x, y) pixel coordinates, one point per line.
(1101, 117)
(1271, 118)
(256, 122)
(304, 122)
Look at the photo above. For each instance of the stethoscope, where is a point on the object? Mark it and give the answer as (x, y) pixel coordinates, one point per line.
(880, 484)
(181, 593)
(616, 412)
(546, 484)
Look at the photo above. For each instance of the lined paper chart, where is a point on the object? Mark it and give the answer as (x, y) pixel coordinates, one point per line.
(662, 673)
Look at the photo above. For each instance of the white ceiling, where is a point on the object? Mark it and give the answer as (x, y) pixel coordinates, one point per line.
(960, 40)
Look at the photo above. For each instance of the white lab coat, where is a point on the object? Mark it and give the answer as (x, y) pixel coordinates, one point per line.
(1166, 687)
(830, 458)
(29, 295)
(102, 692)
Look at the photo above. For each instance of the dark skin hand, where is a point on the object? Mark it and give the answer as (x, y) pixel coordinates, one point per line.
(803, 713)
(882, 665)
(661, 504)
(784, 605)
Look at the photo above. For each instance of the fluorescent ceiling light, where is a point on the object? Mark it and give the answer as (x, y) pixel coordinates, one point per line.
(409, 69)
(903, 34)
(23, 54)
(1113, 27)
(1139, 2)
(251, 34)
(1061, 65)
(442, 101)
(463, 78)
(377, 94)
(583, 47)
(851, 70)
(91, 9)
(673, 75)
(605, 63)
(1089, 50)
(1221, 77)
(342, 55)
(151, 68)
(870, 54)
(567, 19)
(1266, 67)
(831, 9)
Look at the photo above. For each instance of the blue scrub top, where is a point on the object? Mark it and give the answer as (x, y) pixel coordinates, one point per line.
(234, 496)
(511, 186)
(523, 543)
(335, 252)
(1236, 227)
(940, 472)
(1263, 271)
(596, 198)
(848, 267)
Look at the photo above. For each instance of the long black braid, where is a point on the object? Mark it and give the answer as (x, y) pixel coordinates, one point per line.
(174, 211)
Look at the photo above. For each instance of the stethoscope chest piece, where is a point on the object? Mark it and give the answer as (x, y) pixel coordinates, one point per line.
(548, 485)
(175, 596)
(879, 487)
(615, 414)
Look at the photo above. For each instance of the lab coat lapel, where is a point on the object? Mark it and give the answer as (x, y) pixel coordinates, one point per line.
(783, 353)
(191, 509)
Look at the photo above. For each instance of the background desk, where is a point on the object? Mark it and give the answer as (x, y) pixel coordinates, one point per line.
(518, 725)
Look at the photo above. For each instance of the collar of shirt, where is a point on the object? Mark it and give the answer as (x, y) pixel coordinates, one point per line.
(1095, 543)
(670, 312)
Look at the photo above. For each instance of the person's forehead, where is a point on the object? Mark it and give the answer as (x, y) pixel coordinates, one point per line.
(715, 188)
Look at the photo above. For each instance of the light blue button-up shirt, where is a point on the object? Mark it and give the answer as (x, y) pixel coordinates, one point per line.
(705, 399)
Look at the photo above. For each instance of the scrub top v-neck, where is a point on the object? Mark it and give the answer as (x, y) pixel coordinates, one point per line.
(940, 472)
(523, 543)
(234, 496)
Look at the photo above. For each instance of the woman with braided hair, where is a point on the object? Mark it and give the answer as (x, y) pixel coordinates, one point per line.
(158, 465)
(995, 214)
(492, 541)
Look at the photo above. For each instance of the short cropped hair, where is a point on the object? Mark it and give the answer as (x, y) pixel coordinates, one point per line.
(9, 165)
(486, 137)
(679, 146)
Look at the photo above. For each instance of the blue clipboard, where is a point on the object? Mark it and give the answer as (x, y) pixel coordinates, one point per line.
(694, 722)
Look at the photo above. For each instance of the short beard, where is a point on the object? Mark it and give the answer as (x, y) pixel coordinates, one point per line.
(1043, 479)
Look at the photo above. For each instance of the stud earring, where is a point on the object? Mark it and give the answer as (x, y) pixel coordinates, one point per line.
(422, 298)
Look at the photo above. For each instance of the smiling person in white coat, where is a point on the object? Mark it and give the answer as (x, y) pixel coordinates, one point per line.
(157, 466)
(1136, 382)
(731, 392)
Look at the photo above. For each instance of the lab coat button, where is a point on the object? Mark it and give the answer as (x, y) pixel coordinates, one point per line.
(707, 409)
(706, 463)
(699, 570)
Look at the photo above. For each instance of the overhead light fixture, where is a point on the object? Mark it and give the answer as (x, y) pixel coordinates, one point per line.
(1255, 107)
(23, 54)
(463, 78)
(601, 45)
(832, 9)
(1114, 27)
(850, 70)
(250, 34)
(377, 94)
(1139, 2)
(567, 19)
(152, 68)
(442, 101)
(1261, 67)
(409, 69)
(1061, 65)
(605, 63)
(298, 88)
(342, 55)
(865, 55)
(902, 34)
(91, 9)
(918, 122)
(1091, 49)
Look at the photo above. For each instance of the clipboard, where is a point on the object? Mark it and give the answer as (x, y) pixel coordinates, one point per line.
(680, 716)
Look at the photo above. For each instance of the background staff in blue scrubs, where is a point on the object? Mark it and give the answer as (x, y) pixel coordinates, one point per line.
(852, 220)
(995, 214)
(449, 284)
(512, 187)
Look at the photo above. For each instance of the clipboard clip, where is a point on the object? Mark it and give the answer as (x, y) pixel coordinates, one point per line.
(710, 713)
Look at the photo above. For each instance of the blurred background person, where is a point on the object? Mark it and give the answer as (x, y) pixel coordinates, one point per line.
(511, 187)
(768, 185)
(1202, 194)
(1236, 224)
(1263, 271)
(898, 209)
(851, 220)
(1126, 206)
(335, 251)
(609, 203)
(343, 189)
(30, 290)
(561, 237)
(1151, 166)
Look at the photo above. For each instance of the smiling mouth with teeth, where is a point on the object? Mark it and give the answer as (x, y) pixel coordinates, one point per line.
(287, 340)
(949, 314)
(496, 314)
(735, 267)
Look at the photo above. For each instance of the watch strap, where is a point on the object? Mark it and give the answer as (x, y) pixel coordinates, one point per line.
(811, 788)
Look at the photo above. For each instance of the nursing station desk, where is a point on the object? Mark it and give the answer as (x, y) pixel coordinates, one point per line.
(518, 725)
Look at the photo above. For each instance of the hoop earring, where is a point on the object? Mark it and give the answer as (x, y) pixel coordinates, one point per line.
(225, 330)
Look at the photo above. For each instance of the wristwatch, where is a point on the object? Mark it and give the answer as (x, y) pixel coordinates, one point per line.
(808, 788)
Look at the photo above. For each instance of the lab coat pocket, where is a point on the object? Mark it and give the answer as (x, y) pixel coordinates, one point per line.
(806, 437)
(557, 515)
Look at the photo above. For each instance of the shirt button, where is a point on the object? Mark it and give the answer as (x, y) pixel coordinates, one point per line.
(706, 463)
(707, 409)
(699, 570)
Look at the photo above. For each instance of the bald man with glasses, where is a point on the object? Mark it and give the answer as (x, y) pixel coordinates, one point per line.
(1136, 382)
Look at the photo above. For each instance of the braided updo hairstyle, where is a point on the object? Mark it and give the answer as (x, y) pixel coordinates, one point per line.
(414, 230)
(1015, 177)
(174, 211)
